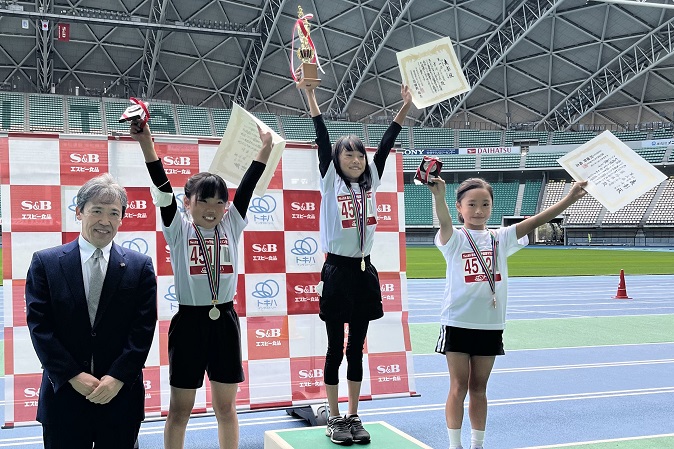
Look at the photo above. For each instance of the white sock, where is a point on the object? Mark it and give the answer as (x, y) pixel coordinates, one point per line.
(454, 438)
(476, 439)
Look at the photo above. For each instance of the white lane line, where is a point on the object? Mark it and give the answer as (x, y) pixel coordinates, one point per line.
(612, 440)
(530, 369)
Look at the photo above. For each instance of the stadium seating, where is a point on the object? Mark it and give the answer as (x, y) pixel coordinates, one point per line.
(410, 163)
(662, 134)
(652, 155)
(220, 120)
(113, 110)
(46, 113)
(500, 161)
(633, 213)
(469, 138)
(12, 107)
(505, 198)
(458, 162)
(298, 128)
(432, 137)
(627, 136)
(194, 121)
(537, 160)
(663, 212)
(337, 129)
(554, 191)
(532, 190)
(269, 119)
(375, 132)
(584, 212)
(84, 115)
(570, 137)
(163, 118)
(418, 205)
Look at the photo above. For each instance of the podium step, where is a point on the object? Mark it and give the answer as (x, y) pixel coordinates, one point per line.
(384, 436)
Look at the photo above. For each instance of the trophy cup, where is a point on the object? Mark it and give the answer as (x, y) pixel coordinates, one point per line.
(307, 54)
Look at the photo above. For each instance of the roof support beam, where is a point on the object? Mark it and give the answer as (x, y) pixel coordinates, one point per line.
(386, 21)
(271, 12)
(642, 56)
(512, 30)
(153, 38)
(44, 48)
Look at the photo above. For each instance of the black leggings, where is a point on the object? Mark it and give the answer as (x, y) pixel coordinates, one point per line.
(354, 351)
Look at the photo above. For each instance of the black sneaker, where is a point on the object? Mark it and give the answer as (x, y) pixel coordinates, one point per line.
(339, 431)
(358, 432)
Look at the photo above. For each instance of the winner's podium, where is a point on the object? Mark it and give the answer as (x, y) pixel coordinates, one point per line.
(384, 436)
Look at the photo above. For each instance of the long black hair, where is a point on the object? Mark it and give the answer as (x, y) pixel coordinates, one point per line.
(206, 185)
(352, 143)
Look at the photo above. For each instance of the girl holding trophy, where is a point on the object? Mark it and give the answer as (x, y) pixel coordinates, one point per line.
(349, 289)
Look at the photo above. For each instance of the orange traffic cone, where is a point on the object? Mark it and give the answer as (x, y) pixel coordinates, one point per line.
(622, 290)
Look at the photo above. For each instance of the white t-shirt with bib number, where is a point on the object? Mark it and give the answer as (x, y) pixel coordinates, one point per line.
(467, 300)
(189, 264)
(339, 233)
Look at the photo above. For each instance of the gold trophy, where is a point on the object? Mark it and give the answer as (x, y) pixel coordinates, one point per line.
(308, 76)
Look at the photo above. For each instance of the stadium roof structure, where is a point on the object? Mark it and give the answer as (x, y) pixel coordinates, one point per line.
(548, 64)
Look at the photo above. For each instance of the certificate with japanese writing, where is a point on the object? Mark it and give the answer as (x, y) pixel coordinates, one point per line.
(239, 146)
(432, 72)
(616, 175)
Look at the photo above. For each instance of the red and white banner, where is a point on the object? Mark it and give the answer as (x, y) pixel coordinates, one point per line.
(283, 339)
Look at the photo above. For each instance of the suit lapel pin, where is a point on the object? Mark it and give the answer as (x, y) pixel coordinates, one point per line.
(122, 265)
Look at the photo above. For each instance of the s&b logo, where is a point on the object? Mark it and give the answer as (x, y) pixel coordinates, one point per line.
(388, 369)
(36, 205)
(31, 392)
(310, 373)
(268, 333)
(384, 208)
(177, 160)
(137, 205)
(296, 206)
(305, 289)
(265, 247)
(387, 287)
(80, 158)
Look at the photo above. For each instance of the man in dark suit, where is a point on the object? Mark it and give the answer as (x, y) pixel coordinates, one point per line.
(92, 311)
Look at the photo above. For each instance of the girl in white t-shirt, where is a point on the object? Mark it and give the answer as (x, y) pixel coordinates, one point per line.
(350, 292)
(474, 305)
(204, 335)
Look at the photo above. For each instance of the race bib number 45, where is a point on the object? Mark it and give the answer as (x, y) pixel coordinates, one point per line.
(472, 270)
(198, 262)
(347, 213)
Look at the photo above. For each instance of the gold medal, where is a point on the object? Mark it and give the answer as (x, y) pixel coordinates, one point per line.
(362, 264)
(493, 300)
(214, 313)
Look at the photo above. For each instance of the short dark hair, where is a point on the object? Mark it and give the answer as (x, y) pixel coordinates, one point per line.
(102, 188)
(352, 143)
(206, 185)
(471, 184)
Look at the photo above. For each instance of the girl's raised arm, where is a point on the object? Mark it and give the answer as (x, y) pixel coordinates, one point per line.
(156, 170)
(441, 210)
(531, 223)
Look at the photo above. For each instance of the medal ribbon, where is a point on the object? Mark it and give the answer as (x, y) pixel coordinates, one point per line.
(491, 276)
(212, 264)
(300, 24)
(360, 210)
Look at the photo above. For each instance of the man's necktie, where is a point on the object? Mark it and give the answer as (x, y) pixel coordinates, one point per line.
(95, 285)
